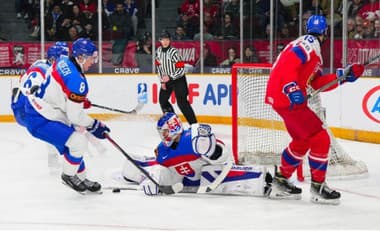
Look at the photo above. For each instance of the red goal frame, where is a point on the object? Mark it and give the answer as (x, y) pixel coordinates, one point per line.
(234, 101)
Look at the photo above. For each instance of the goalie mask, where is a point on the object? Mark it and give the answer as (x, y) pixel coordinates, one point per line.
(169, 127)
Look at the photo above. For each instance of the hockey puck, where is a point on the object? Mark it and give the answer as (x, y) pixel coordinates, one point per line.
(116, 190)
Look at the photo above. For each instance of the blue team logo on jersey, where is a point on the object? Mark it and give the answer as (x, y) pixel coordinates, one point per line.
(142, 93)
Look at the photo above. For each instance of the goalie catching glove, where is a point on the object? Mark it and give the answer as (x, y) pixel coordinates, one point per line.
(98, 129)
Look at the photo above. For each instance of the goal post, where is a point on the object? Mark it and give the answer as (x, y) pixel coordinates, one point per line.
(258, 133)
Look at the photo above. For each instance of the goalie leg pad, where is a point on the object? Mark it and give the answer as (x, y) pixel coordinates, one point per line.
(132, 174)
(241, 180)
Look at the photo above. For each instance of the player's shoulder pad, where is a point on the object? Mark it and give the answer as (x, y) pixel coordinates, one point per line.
(310, 44)
(39, 66)
(74, 82)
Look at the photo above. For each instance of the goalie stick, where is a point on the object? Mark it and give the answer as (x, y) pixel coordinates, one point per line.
(339, 79)
(167, 189)
(134, 111)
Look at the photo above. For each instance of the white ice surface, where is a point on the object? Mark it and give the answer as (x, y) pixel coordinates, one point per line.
(33, 197)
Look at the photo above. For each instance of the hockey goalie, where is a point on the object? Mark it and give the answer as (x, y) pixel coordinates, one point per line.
(198, 160)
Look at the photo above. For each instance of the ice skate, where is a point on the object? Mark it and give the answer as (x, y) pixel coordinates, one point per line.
(92, 186)
(322, 194)
(74, 182)
(283, 189)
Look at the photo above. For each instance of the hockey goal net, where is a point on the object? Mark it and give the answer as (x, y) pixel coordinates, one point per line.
(258, 134)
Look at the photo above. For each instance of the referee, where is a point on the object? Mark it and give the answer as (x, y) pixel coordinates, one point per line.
(171, 71)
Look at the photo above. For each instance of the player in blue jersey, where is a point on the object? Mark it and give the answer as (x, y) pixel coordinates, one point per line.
(198, 160)
(32, 79)
(56, 108)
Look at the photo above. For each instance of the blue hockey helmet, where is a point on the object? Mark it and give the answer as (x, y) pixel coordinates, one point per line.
(64, 46)
(169, 126)
(53, 53)
(316, 24)
(84, 47)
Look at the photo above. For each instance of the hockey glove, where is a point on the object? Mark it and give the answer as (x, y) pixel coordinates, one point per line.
(353, 71)
(98, 129)
(86, 103)
(204, 130)
(294, 93)
(150, 188)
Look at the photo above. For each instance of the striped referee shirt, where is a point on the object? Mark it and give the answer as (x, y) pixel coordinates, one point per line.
(169, 63)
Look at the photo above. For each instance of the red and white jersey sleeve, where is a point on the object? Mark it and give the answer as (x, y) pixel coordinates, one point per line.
(299, 62)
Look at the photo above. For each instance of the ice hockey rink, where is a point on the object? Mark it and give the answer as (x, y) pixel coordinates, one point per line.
(33, 197)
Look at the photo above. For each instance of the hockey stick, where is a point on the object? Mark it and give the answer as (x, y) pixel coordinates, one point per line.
(217, 181)
(134, 111)
(167, 189)
(339, 79)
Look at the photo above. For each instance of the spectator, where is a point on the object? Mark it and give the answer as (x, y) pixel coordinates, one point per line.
(209, 59)
(354, 7)
(368, 29)
(130, 7)
(180, 33)
(20, 6)
(87, 6)
(191, 9)
(211, 24)
(76, 14)
(228, 31)
(284, 32)
(54, 20)
(351, 28)
(89, 32)
(144, 53)
(108, 7)
(120, 22)
(231, 58)
(376, 33)
(189, 27)
(67, 6)
(315, 8)
(210, 8)
(73, 33)
(370, 10)
(233, 8)
(250, 55)
(206, 35)
(358, 28)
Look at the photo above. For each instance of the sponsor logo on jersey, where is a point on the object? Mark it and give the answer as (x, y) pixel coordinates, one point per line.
(76, 98)
(371, 104)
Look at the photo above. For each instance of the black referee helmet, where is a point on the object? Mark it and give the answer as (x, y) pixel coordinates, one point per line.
(165, 34)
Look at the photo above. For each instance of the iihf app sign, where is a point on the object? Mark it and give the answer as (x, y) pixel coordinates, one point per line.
(371, 104)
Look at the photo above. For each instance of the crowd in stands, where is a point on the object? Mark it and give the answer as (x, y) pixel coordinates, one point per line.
(69, 19)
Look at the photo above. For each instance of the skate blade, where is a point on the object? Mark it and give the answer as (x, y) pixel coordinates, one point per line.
(276, 193)
(319, 200)
(81, 193)
(99, 192)
(285, 196)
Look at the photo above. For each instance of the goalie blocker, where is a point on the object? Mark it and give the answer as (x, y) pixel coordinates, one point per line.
(198, 160)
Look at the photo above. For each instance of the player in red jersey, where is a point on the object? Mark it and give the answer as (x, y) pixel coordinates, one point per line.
(298, 66)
